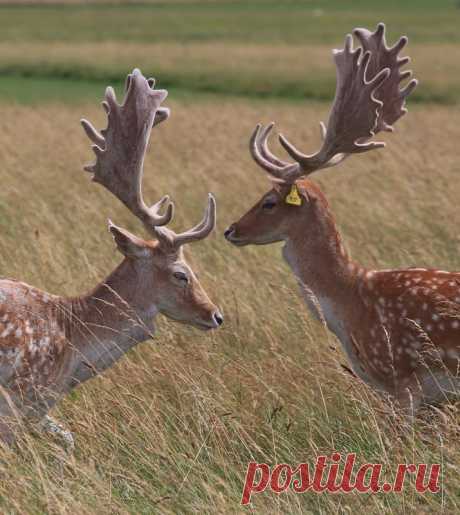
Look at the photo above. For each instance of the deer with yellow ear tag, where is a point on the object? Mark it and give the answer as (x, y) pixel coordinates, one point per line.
(393, 324)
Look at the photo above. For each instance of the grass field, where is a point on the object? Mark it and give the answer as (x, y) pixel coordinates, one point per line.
(262, 48)
(172, 427)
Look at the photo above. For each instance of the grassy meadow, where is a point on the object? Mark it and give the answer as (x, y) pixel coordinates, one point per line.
(172, 427)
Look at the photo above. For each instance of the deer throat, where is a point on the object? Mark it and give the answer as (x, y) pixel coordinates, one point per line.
(338, 308)
(326, 298)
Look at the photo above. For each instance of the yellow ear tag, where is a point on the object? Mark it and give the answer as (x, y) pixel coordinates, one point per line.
(293, 197)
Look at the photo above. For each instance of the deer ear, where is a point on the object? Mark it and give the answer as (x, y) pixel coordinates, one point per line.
(128, 244)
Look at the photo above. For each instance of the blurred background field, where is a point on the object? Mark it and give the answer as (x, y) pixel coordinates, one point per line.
(256, 49)
(172, 427)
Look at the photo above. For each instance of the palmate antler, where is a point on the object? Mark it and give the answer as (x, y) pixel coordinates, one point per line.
(368, 99)
(120, 151)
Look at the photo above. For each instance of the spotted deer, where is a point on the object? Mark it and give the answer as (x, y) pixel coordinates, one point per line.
(51, 344)
(397, 327)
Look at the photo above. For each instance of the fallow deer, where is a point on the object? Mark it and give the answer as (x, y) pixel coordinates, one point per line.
(51, 344)
(397, 327)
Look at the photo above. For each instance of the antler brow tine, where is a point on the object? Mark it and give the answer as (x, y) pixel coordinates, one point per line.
(196, 233)
(264, 158)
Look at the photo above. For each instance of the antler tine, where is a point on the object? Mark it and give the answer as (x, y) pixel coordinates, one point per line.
(121, 147)
(199, 232)
(161, 115)
(258, 148)
(155, 209)
(263, 146)
(389, 93)
(203, 228)
(94, 135)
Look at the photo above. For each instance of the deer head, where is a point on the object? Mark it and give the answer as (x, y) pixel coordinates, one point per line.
(158, 266)
(368, 99)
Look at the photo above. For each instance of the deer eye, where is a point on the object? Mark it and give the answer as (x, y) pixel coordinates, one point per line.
(181, 276)
(268, 204)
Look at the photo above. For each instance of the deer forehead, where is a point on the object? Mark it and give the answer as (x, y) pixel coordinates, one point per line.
(175, 259)
(166, 256)
(167, 263)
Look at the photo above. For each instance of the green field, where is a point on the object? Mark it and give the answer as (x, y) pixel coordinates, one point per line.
(260, 21)
(171, 428)
(254, 49)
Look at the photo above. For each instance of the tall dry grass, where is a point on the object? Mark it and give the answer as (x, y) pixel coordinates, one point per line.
(172, 427)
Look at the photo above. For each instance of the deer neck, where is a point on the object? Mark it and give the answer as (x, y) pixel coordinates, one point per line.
(104, 324)
(328, 278)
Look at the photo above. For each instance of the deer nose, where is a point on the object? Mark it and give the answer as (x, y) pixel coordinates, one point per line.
(218, 318)
(228, 231)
